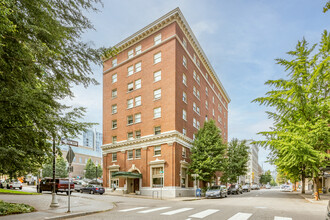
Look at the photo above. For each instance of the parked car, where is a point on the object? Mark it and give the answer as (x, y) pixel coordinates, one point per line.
(216, 192)
(78, 184)
(268, 186)
(255, 187)
(235, 189)
(327, 216)
(62, 185)
(2, 184)
(92, 189)
(13, 184)
(246, 187)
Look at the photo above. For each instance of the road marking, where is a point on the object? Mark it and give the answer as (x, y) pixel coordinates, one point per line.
(153, 210)
(240, 216)
(261, 207)
(205, 213)
(281, 218)
(176, 211)
(132, 209)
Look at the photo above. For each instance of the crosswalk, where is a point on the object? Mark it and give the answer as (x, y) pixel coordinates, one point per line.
(196, 215)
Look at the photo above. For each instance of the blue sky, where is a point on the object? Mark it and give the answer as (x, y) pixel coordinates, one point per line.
(240, 38)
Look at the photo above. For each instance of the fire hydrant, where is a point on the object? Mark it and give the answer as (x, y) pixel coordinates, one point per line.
(316, 196)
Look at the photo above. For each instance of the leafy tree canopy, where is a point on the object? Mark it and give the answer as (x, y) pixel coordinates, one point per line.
(60, 167)
(90, 170)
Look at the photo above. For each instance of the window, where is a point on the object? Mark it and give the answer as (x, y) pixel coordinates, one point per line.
(206, 104)
(114, 157)
(157, 150)
(219, 108)
(137, 101)
(184, 115)
(184, 177)
(114, 109)
(138, 50)
(138, 134)
(138, 84)
(198, 125)
(206, 91)
(129, 154)
(137, 118)
(184, 79)
(184, 61)
(213, 112)
(157, 130)
(158, 39)
(198, 63)
(157, 177)
(138, 153)
(114, 62)
(114, 124)
(194, 75)
(184, 42)
(157, 76)
(138, 67)
(213, 85)
(130, 54)
(130, 136)
(184, 97)
(195, 91)
(198, 79)
(130, 71)
(157, 57)
(157, 94)
(80, 160)
(194, 136)
(194, 106)
(219, 119)
(184, 131)
(130, 103)
(114, 78)
(130, 119)
(114, 93)
(114, 140)
(195, 58)
(194, 122)
(184, 152)
(198, 94)
(157, 112)
(130, 87)
(205, 117)
(206, 76)
(197, 110)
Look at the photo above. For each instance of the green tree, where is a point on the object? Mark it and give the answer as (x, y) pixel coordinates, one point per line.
(61, 168)
(266, 177)
(235, 162)
(90, 169)
(99, 171)
(207, 152)
(41, 57)
(300, 136)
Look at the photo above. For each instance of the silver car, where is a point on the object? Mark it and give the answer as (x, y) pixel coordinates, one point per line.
(216, 192)
(327, 216)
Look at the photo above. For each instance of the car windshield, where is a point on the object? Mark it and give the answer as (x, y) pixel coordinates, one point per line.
(65, 182)
(214, 187)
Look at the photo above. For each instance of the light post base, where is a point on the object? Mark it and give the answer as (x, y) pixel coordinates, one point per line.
(54, 203)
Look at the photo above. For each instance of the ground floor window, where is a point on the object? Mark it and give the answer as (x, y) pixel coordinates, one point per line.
(157, 177)
(184, 177)
(114, 183)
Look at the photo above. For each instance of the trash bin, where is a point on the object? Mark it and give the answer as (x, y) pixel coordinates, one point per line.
(198, 192)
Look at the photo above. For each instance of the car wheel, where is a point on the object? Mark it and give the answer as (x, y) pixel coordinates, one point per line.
(225, 195)
(81, 191)
(92, 192)
(101, 193)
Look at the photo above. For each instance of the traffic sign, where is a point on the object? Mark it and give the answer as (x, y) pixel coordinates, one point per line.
(70, 155)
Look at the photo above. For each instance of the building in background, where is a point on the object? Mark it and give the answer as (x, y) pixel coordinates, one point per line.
(253, 164)
(92, 139)
(157, 92)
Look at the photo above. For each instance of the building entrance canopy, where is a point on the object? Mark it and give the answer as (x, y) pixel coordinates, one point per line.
(127, 174)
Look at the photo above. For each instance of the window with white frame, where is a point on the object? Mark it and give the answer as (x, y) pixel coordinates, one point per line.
(194, 122)
(184, 152)
(198, 125)
(138, 84)
(219, 118)
(114, 109)
(130, 103)
(197, 110)
(194, 137)
(206, 104)
(198, 79)
(158, 39)
(138, 153)
(184, 79)
(114, 124)
(184, 61)
(138, 134)
(157, 177)
(206, 91)
(184, 131)
(114, 78)
(213, 112)
(194, 106)
(114, 156)
(157, 112)
(157, 130)
(184, 97)
(114, 140)
(205, 117)
(198, 63)
(130, 136)
(157, 150)
(213, 85)
(114, 93)
(157, 94)
(130, 71)
(157, 76)
(137, 101)
(194, 75)
(198, 95)
(138, 50)
(137, 118)
(184, 115)
(130, 119)
(184, 42)
(206, 76)
(114, 62)
(194, 91)
(130, 87)
(130, 53)
(138, 67)
(219, 108)
(157, 57)
(184, 177)
(129, 154)
(195, 58)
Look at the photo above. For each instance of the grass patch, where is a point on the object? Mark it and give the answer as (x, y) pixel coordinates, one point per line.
(14, 208)
(11, 191)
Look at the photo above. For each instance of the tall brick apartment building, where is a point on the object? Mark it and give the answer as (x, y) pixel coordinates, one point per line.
(157, 91)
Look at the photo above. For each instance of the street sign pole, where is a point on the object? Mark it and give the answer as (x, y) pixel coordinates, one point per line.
(69, 188)
(70, 155)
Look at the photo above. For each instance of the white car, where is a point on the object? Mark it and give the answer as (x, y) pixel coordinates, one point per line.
(268, 186)
(14, 184)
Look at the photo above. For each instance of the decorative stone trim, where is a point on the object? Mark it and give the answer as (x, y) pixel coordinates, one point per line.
(184, 163)
(157, 161)
(113, 167)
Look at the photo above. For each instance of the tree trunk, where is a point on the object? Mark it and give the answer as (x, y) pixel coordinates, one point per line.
(316, 188)
(303, 177)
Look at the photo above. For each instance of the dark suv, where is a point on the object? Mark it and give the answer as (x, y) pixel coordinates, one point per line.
(62, 185)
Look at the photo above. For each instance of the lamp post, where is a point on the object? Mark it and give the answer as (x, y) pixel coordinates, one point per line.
(54, 199)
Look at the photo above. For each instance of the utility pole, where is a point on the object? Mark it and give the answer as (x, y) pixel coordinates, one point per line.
(54, 199)
(96, 173)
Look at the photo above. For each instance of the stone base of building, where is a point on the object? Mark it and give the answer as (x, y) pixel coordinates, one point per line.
(165, 192)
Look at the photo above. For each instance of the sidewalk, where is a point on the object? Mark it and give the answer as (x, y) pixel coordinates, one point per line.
(309, 197)
(79, 206)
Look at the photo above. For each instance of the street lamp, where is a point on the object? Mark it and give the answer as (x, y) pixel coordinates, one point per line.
(54, 199)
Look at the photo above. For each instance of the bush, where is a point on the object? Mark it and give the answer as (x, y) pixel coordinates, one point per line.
(14, 208)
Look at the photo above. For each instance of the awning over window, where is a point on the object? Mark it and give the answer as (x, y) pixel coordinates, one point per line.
(127, 174)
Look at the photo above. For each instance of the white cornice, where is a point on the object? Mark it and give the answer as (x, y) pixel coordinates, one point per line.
(172, 16)
(150, 140)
